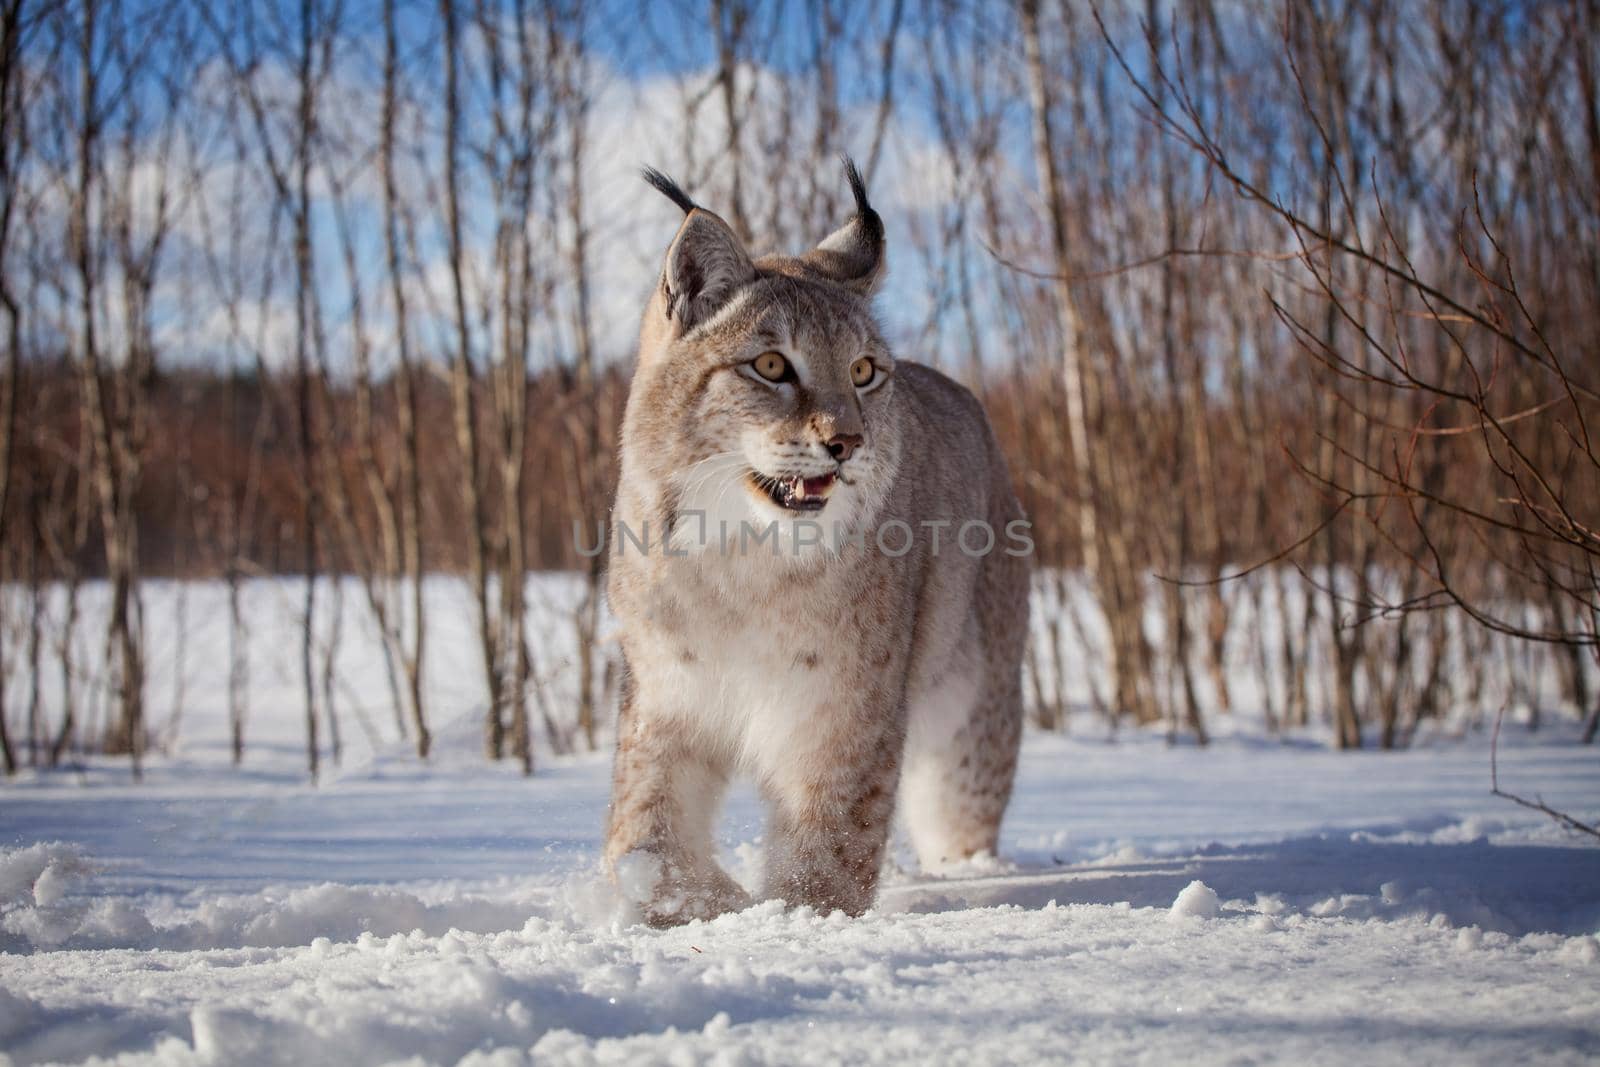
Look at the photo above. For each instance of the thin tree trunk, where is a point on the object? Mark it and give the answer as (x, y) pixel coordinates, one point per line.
(13, 142)
(114, 461)
(410, 478)
(464, 401)
(330, 655)
(238, 665)
(1068, 320)
(729, 18)
(591, 487)
(305, 415)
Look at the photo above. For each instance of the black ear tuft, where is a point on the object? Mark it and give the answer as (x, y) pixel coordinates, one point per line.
(858, 186)
(671, 190)
(853, 255)
(858, 189)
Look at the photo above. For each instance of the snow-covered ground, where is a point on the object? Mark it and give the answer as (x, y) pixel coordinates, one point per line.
(1373, 907)
(1260, 901)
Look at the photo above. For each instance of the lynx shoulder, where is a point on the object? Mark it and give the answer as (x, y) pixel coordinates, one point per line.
(820, 574)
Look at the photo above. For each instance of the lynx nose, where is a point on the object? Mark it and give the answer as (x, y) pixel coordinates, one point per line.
(841, 445)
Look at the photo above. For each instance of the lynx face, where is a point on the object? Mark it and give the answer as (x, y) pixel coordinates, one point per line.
(792, 419)
(765, 389)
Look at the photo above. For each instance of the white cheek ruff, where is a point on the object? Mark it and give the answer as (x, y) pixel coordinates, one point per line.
(713, 503)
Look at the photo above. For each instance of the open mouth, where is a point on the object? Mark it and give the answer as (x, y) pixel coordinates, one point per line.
(793, 492)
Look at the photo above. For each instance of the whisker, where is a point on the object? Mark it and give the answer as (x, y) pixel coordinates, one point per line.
(706, 469)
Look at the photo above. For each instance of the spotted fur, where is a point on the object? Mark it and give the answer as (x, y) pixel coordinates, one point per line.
(839, 676)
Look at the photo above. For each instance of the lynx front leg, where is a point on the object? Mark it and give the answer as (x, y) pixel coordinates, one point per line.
(828, 839)
(664, 801)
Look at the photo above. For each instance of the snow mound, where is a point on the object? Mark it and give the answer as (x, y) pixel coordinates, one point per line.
(39, 874)
(49, 900)
(1197, 901)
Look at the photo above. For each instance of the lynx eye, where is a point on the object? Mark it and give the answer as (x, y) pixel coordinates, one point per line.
(862, 372)
(771, 366)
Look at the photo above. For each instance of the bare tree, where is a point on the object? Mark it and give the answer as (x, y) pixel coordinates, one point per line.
(1105, 547)
(13, 141)
(113, 394)
(306, 342)
(587, 415)
(464, 387)
(406, 511)
(1405, 325)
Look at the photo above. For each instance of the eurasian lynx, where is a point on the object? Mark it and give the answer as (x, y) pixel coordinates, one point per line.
(819, 573)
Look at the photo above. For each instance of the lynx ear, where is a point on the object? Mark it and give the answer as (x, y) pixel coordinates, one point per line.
(853, 255)
(705, 265)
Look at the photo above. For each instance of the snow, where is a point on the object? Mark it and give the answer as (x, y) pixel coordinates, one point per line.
(1197, 901)
(1150, 903)
(1261, 900)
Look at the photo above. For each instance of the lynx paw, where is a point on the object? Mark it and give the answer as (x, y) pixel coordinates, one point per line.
(669, 895)
(824, 890)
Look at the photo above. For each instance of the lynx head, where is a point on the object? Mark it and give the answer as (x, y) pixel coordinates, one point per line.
(763, 389)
